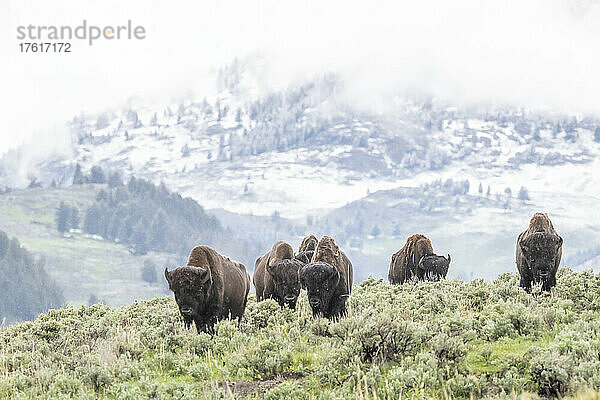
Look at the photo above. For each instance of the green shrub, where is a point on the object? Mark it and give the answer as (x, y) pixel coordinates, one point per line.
(287, 391)
(550, 372)
(419, 340)
(261, 360)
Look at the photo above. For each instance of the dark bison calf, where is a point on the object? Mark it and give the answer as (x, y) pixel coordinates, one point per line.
(327, 279)
(210, 288)
(285, 281)
(262, 279)
(305, 256)
(539, 250)
(433, 267)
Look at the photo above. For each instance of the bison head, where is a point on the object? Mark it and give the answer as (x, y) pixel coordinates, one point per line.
(434, 266)
(191, 286)
(305, 256)
(320, 280)
(540, 251)
(309, 243)
(286, 282)
(327, 251)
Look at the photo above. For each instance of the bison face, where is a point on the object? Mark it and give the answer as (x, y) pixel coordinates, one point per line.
(309, 243)
(286, 282)
(540, 251)
(320, 280)
(435, 267)
(190, 286)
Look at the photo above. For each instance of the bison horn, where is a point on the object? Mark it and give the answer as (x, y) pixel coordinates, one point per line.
(449, 259)
(204, 274)
(167, 275)
(420, 263)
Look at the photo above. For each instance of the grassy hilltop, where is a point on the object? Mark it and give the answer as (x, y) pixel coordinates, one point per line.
(81, 264)
(444, 340)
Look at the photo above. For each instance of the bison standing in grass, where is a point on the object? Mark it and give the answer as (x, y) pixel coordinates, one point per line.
(284, 274)
(416, 260)
(539, 250)
(433, 267)
(327, 279)
(405, 263)
(209, 288)
(262, 279)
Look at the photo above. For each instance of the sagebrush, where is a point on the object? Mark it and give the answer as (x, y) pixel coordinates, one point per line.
(445, 339)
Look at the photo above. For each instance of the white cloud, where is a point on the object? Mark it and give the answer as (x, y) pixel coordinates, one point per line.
(535, 53)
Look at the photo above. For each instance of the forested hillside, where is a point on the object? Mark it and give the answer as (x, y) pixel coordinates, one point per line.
(105, 240)
(26, 289)
(150, 217)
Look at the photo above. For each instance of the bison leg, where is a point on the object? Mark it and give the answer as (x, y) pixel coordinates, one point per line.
(526, 283)
(206, 325)
(549, 283)
(338, 308)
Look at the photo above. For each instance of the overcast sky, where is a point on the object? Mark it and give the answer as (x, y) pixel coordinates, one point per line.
(532, 53)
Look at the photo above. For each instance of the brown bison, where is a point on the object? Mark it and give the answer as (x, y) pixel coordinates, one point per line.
(309, 243)
(405, 263)
(286, 284)
(262, 279)
(327, 279)
(539, 250)
(209, 288)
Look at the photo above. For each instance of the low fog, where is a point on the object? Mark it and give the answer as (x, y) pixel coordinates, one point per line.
(536, 54)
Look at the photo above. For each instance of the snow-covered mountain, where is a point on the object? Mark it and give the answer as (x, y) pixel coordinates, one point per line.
(307, 158)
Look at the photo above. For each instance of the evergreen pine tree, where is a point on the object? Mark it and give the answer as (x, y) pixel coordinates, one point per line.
(523, 194)
(91, 222)
(78, 177)
(376, 231)
(74, 219)
(93, 300)
(27, 290)
(97, 175)
(114, 179)
(62, 217)
(149, 271)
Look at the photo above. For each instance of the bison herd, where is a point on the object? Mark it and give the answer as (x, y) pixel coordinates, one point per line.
(213, 287)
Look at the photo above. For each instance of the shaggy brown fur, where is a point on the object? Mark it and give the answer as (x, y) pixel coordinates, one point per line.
(405, 262)
(329, 252)
(538, 254)
(209, 288)
(309, 243)
(327, 279)
(262, 279)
